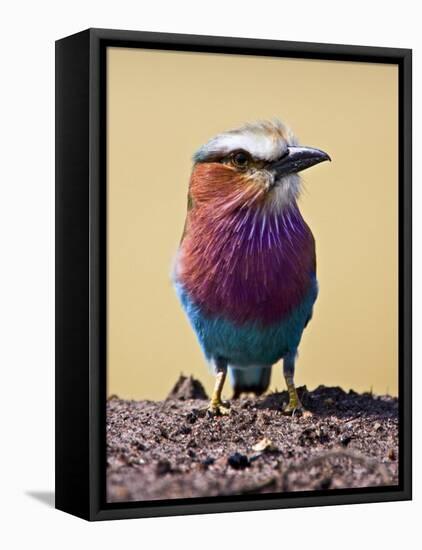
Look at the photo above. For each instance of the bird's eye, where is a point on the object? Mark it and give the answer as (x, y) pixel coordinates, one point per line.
(240, 159)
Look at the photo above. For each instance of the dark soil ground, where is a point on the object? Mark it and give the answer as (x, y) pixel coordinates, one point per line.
(173, 449)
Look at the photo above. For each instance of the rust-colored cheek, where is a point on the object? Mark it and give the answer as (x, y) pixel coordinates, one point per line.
(213, 181)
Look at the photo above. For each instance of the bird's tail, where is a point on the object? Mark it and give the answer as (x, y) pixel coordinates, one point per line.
(249, 379)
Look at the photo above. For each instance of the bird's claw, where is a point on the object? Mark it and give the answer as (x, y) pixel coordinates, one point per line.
(296, 409)
(218, 409)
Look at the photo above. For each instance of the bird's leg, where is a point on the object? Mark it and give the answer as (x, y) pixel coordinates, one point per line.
(217, 406)
(294, 406)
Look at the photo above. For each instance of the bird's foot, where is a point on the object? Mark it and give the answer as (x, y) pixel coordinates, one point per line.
(218, 408)
(295, 408)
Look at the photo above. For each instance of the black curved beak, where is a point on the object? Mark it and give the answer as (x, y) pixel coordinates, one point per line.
(297, 159)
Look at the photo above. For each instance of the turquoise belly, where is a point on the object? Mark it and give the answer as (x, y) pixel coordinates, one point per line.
(249, 344)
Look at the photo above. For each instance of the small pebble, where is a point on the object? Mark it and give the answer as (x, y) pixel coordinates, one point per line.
(392, 454)
(325, 483)
(264, 445)
(238, 461)
(163, 467)
(191, 418)
(345, 439)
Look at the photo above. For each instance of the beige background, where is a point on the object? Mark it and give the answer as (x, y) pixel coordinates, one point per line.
(164, 105)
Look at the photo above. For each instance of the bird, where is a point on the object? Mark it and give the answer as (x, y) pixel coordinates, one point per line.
(245, 269)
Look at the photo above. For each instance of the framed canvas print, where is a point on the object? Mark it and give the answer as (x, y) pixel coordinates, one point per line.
(233, 303)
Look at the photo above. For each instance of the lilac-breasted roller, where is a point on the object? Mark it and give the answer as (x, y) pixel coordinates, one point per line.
(245, 271)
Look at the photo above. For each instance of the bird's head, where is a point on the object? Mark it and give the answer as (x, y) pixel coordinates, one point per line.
(255, 165)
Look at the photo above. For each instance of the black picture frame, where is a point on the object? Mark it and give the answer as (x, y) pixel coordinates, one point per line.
(81, 271)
